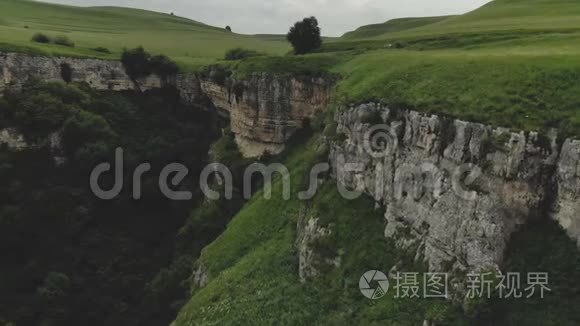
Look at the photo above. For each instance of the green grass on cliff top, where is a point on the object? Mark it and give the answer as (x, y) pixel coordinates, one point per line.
(184, 40)
(511, 63)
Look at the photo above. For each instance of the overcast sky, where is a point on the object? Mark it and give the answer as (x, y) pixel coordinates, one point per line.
(275, 16)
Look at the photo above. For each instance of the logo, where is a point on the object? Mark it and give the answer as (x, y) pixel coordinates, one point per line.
(373, 284)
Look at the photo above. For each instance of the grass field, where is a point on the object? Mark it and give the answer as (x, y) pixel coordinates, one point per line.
(186, 41)
(391, 26)
(511, 16)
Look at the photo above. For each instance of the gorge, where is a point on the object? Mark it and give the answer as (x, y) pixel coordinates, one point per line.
(524, 175)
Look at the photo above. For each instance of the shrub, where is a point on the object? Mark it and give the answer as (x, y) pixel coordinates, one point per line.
(66, 72)
(163, 66)
(240, 53)
(41, 38)
(101, 49)
(305, 36)
(64, 41)
(136, 62)
(83, 128)
(42, 113)
(219, 75)
(55, 285)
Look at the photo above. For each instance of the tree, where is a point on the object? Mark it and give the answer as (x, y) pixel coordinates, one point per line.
(139, 63)
(163, 66)
(305, 36)
(136, 62)
(228, 28)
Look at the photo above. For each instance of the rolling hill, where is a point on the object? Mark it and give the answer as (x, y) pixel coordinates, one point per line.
(185, 40)
(394, 25)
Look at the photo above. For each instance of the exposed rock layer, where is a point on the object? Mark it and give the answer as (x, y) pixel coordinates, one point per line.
(455, 191)
(265, 110)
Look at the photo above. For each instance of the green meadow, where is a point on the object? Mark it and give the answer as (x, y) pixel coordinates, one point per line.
(186, 41)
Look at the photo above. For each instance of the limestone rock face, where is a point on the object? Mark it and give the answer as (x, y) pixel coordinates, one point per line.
(454, 191)
(567, 203)
(310, 258)
(200, 278)
(17, 69)
(266, 109)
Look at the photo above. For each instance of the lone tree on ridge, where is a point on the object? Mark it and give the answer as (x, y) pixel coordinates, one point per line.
(305, 36)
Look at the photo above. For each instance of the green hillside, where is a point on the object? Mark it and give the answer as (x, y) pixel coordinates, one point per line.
(184, 40)
(531, 27)
(391, 26)
(505, 16)
(501, 15)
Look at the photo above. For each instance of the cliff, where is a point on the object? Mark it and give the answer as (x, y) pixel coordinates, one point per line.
(454, 192)
(265, 110)
(17, 69)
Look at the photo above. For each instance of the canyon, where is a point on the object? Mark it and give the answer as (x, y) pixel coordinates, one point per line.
(521, 175)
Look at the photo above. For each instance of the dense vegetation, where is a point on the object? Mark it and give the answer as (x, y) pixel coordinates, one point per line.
(71, 259)
(139, 63)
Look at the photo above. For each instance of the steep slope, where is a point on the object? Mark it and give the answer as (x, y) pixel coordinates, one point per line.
(260, 273)
(391, 26)
(116, 28)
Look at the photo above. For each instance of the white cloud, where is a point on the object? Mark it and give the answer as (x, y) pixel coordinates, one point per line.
(275, 16)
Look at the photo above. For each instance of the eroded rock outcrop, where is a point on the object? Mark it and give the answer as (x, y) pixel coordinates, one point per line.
(17, 69)
(454, 191)
(567, 201)
(12, 139)
(266, 109)
(310, 240)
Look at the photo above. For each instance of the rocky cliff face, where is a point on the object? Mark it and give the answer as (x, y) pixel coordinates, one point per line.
(454, 192)
(265, 110)
(17, 69)
(567, 202)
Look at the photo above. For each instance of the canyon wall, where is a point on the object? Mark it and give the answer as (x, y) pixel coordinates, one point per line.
(453, 191)
(264, 109)
(18, 69)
